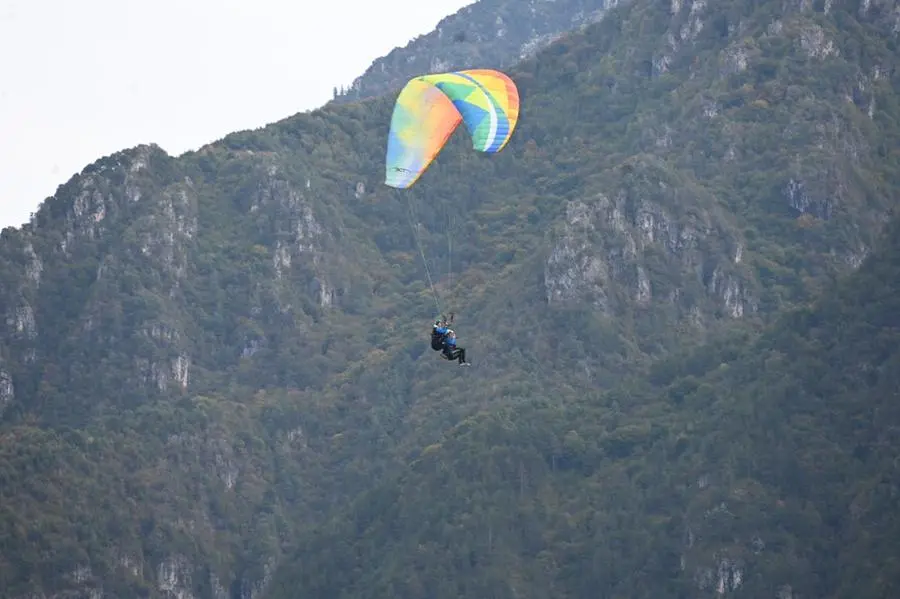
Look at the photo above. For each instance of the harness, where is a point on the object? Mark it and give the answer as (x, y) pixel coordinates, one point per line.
(437, 339)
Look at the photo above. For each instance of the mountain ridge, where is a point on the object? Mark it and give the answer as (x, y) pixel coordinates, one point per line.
(495, 33)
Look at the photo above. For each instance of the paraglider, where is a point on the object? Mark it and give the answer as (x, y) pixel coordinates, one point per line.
(427, 112)
(439, 331)
(452, 351)
(429, 109)
(443, 339)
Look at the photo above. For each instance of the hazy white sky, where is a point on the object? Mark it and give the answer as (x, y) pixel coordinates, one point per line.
(83, 79)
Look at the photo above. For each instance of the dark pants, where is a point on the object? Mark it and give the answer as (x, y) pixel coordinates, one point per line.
(453, 354)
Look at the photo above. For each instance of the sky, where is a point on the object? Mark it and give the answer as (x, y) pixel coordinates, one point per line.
(82, 80)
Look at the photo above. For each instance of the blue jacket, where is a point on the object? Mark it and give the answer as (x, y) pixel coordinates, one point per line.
(450, 342)
(441, 330)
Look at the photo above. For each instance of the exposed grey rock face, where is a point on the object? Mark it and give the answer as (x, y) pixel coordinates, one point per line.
(611, 248)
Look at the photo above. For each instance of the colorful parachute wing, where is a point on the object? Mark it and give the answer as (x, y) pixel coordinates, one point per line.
(430, 107)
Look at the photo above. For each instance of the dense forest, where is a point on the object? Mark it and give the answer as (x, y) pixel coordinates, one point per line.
(758, 466)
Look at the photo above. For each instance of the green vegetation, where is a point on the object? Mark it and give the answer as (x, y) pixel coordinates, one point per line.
(758, 465)
(221, 383)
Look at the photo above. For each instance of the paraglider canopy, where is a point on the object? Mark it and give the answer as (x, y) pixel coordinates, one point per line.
(430, 107)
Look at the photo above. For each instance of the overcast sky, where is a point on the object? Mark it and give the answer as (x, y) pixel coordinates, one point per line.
(83, 79)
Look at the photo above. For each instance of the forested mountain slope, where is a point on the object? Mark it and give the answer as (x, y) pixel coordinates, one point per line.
(203, 358)
(751, 467)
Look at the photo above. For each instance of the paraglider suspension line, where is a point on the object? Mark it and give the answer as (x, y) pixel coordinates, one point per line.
(414, 224)
(449, 250)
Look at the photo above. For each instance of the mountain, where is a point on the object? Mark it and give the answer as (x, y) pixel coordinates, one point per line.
(204, 360)
(487, 33)
(751, 467)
